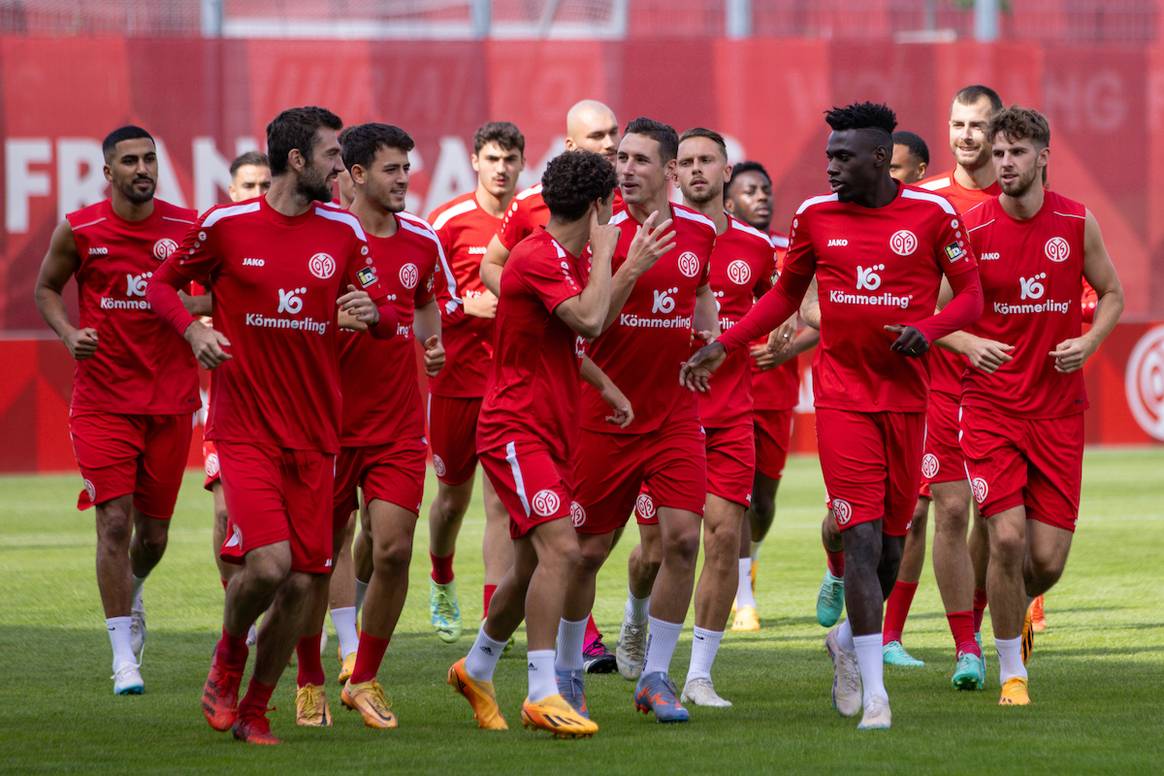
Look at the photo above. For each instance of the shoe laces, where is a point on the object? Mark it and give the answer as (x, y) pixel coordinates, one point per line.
(850, 672)
(125, 667)
(378, 699)
(312, 697)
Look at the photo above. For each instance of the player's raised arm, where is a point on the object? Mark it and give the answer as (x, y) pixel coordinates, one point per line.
(587, 312)
(60, 263)
(654, 238)
(1100, 273)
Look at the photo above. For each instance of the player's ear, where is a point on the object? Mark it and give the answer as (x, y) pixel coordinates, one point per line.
(921, 169)
(727, 173)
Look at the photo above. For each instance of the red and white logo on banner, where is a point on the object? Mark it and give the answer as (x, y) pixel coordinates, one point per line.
(1144, 383)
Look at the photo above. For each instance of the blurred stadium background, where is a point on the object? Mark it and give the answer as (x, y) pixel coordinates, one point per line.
(206, 75)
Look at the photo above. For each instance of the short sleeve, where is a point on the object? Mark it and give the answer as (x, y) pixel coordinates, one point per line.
(952, 250)
(551, 279)
(515, 226)
(363, 272)
(426, 285)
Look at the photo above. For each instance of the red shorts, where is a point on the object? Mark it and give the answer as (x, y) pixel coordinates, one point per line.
(610, 470)
(143, 455)
(871, 463)
(452, 433)
(773, 430)
(942, 458)
(210, 464)
(275, 495)
(1016, 462)
(533, 486)
(731, 463)
(392, 472)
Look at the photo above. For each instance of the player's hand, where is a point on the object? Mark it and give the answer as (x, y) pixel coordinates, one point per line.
(359, 305)
(622, 414)
(82, 343)
(651, 241)
(706, 336)
(603, 237)
(910, 341)
(207, 344)
(348, 321)
(987, 355)
(696, 373)
(483, 305)
(434, 355)
(1071, 354)
(780, 340)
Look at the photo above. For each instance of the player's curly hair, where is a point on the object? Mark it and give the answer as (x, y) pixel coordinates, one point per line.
(740, 168)
(361, 142)
(1019, 123)
(862, 115)
(573, 180)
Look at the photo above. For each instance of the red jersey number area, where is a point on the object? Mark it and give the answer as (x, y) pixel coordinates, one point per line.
(142, 366)
(742, 265)
(276, 280)
(651, 336)
(1032, 280)
(875, 266)
(526, 430)
(464, 230)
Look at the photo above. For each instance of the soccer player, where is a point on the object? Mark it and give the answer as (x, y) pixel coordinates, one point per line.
(879, 250)
(382, 441)
(250, 176)
(465, 225)
(660, 293)
(960, 580)
(911, 157)
(281, 265)
(590, 126)
(135, 386)
(526, 435)
(742, 265)
(1024, 398)
(775, 391)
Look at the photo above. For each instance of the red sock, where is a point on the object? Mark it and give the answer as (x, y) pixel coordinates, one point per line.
(258, 697)
(442, 568)
(979, 608)
(896, 610)
(310, 663)
(368, 657)
(592, 632)
(962, 628)
(232, 651)
(487, 596)
(836, 563)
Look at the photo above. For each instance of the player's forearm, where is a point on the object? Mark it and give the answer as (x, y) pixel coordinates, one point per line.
(1108, 310)
(706, 316)
(772, 310)
(52, 309)
(162, 294)
(492, 263)
(200, 305)
(427, 322)
(810, 307)
(806, 339)
(956, 342)
(962, 310)
(594, 301)
(592, 374)
(621, 285)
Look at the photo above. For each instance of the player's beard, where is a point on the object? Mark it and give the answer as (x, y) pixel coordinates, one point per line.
(703, 198)
(134, 195)
(314, 188)
(1020, 187)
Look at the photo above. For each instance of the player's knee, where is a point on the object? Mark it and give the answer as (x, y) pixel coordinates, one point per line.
(763, 512)
(393, 553)
(721, 546)
(1007, 545)
(154, 543)
(1044, 568)
(267, 571)
(682, 544)
(591, 556)
(114, 529)
(951, 514)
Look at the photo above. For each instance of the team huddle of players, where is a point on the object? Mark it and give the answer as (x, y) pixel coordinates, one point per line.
(683, 320)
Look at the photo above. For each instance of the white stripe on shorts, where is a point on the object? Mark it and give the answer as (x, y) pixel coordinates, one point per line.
(518, 481)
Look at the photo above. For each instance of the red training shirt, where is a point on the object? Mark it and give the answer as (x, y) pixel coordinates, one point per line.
(1032, 279)
(528, 211)
(534, 385)
(142, 366)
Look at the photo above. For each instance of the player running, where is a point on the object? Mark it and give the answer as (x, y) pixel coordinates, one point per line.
(590, 126)
(775, 391)
(742, 265)
(661, 293)
(527, 434)
(135, 386)
(879, 250)
(1023, 400)
(465, 225)
(281, 265)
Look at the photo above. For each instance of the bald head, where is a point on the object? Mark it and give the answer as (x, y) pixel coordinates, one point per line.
(592, 126)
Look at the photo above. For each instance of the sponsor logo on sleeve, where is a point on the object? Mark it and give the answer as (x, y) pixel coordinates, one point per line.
(366, 276)
(955, 252)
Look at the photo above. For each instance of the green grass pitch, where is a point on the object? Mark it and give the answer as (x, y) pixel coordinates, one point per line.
(1096, 676)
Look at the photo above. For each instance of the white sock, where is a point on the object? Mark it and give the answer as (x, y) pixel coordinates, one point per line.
(661, 642)
(744, 595)
(704, 645)
(138, 582)
(571, 636)
(845, 636)
(637, 609)
(482, 659)
(542, 681)
(361, 591)
(344, 620)
(872, 667)
(1010, 658)
(118, 628)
